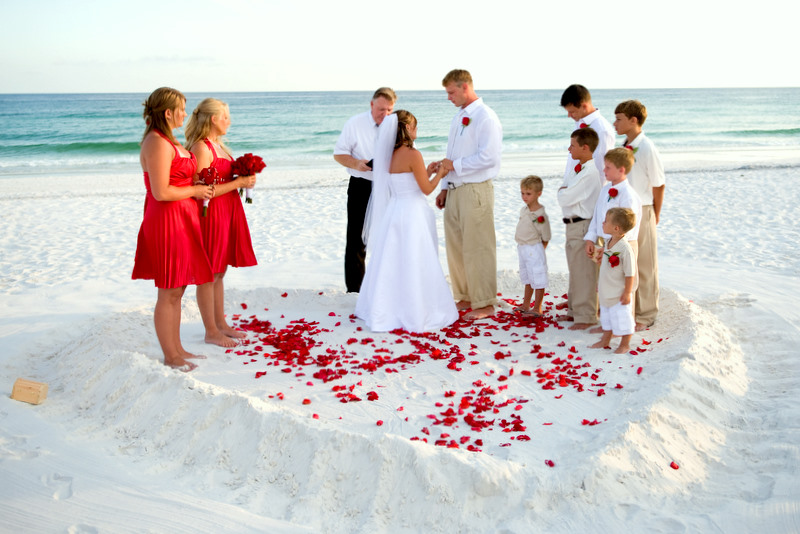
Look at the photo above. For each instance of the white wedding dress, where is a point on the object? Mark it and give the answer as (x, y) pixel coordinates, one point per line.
(404, 286)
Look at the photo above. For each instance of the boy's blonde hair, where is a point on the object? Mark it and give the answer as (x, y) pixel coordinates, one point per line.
(625, 218)
(534, 183)
(621, 157)
(632, 108)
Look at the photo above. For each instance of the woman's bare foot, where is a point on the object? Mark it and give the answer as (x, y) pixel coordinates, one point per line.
(522, 308)
(220, 339)
(462, 305)
(480, 313)
(532, 313)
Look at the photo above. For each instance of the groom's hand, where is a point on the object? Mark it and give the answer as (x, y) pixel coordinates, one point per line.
(441, 198)
(448, 165)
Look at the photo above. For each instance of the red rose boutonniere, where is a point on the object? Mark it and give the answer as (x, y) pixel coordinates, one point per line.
(248, 165)
(583, 125)
(540, 219)
(578, 168)
(612, 193)
(464, 123)
(632, 149)
(209, 176)
(613, 259)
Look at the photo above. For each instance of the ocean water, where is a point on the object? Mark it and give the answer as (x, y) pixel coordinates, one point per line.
(80, 133)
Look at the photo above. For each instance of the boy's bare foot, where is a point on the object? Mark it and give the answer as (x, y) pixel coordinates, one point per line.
(641, 327)
(599, 345)
(462, 305)
(480, 313)
(622, 350)
(580, 326)
(220, 339)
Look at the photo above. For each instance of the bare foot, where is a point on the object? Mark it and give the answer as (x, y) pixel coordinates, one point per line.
(220, 339)
(641, 327)
(580, 326)
(596, 330)
(522, 309)
(480, 313)
(181, 365)
(195, 357)
(232, 333)
(532, 313)
(462, 305)
(564, 318)
(622, 350)
(562, 305)
(599, 345)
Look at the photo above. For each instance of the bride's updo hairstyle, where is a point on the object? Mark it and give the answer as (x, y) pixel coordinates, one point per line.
(155, 107)
(404, 119)
(199, 125)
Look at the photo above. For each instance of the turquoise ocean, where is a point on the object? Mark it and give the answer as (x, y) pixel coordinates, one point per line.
(90, 133)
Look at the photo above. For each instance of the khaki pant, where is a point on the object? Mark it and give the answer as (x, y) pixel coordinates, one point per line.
(471, 243)
(647, 265)
(582, 290)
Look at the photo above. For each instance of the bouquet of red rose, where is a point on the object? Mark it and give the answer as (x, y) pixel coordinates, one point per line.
(208, 176)
(248, 165)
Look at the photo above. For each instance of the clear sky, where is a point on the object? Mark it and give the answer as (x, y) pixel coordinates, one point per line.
(56, 46)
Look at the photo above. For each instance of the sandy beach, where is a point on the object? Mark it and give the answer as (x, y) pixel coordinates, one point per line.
(315, 424)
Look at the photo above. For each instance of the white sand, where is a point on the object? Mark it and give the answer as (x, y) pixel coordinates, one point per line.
(123, 444)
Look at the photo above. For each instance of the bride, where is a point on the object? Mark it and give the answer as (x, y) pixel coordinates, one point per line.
(404, 286)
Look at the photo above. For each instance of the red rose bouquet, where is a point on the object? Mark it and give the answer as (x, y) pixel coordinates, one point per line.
(612, 193)
(248, 165)
(208, 176)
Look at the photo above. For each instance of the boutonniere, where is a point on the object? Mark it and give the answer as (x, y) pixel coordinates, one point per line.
(613, 259)
(583, 125)
(464, 123)
(578, 168)
(540, 219)
(612, 193)
(632, 148)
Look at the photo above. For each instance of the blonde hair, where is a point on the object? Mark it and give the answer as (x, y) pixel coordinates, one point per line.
(625, 218)
(385, 92)
(155, 108)
(199, 125)
(534, 183)
(458, 77)
(621, 157)
(404, 119)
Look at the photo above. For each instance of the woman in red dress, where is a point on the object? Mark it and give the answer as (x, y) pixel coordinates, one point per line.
(226, 235)
(170, 250)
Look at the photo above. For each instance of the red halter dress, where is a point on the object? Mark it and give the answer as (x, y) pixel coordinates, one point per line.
(225, 231)
(170, 249)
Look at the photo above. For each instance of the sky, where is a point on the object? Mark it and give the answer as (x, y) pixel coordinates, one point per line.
(89, 46)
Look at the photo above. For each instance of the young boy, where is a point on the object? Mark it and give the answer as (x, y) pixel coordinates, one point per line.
(618, 193)
(577, 102)
(532, 236)
(647, 178)
(617, 278)
(577, 197)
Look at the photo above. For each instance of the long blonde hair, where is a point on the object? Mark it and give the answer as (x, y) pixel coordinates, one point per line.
(199, 125)
(156, 105)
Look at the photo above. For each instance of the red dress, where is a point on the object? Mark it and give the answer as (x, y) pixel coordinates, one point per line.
(170, 249)
(225, 231)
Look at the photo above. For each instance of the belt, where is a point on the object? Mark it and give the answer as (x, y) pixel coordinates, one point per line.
(568, 220)
(451, 185)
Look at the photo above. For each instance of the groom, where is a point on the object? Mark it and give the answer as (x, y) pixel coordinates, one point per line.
(467, 196)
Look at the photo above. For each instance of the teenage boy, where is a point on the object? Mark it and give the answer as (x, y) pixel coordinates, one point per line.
(577, 101)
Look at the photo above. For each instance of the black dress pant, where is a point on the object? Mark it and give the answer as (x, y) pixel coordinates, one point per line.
(355, 252)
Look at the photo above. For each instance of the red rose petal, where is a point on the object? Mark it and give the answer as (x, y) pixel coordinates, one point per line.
(549, 463)
(674, 465)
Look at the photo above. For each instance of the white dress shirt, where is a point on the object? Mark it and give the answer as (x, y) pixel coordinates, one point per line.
(358, 140)
(626, 198)
(647, 172)
(605, 133)
(579, 191)
(475, 149)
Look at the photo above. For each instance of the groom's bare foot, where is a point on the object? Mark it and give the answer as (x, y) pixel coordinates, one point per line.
(480, 313)
(462, 305)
